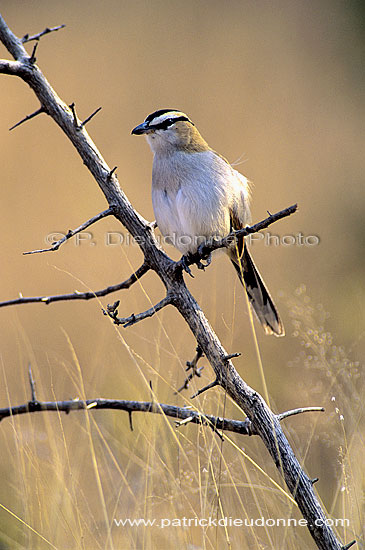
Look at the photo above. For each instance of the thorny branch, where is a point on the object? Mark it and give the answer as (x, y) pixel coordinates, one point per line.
(47, 30)
(184, 414)
(195, 370)
(80, 295)
(263, 420)
(72, 232)
(112, 312)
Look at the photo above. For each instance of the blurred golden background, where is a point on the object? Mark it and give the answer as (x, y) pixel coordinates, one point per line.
(276, 87)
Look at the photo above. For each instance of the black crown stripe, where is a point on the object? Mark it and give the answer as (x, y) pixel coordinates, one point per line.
(159, 113)
(168, 122)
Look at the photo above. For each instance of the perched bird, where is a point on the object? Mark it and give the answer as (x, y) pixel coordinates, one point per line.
(196, 195)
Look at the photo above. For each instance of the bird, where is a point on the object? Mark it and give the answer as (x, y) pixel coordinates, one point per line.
(197, 195)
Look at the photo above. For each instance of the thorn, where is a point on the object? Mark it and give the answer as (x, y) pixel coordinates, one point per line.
(33, 58)
(28, 117)
(130, 420)
(215, 429)
(110, 175)
(89, 117)
(32, 384)
(218, 433)
(73, 110)
(269, 213)
(208, 387)
(314, 480)
(347, 546)
(231, 356)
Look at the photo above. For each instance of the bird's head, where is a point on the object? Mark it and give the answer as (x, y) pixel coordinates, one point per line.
(169, 130)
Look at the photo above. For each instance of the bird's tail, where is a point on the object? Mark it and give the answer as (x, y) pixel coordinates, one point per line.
(257, 293)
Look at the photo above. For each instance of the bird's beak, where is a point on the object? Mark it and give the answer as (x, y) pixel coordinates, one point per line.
(141, 129)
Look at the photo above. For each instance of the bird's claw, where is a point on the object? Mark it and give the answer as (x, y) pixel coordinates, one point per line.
(208, 260)
(184, 262)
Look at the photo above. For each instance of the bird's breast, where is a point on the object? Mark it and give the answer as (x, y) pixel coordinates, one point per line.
(191, 196)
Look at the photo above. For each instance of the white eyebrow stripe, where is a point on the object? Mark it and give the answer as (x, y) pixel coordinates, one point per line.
(165, 116)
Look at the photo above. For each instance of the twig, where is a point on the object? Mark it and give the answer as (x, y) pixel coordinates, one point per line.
(80, 295)
(192, 365)
(72, 232)
(28, 117)
(112, 312)
(47, 30)
(188, 379)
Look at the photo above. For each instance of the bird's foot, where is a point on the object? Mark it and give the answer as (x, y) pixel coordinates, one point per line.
(185, 262)
(202, 265)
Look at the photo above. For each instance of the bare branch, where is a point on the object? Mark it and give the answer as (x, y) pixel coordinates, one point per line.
(182, 413)
(28, 117)
(47, 30)
(112, 312)
(80, 295)
(72, 232)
